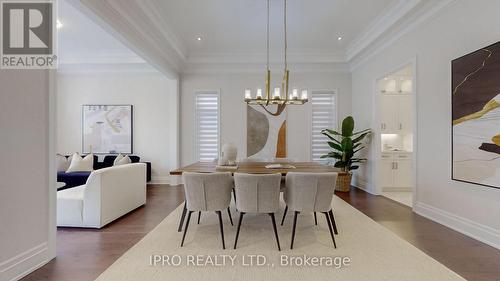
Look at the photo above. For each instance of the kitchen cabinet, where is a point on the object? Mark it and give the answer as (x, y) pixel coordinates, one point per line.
(396, 170)
(395, 114)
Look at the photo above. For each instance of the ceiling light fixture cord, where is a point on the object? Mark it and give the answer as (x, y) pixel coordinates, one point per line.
(268, 34)
(284, 19)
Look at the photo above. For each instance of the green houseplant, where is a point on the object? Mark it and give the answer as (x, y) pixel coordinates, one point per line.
(345, 145)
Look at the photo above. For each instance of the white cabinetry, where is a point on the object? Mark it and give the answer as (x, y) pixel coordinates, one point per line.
(395, 114)
(396, 170)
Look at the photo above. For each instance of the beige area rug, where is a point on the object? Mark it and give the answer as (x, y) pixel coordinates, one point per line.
(374, 252)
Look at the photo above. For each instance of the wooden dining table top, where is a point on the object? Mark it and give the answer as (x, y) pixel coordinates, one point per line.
(257, 168)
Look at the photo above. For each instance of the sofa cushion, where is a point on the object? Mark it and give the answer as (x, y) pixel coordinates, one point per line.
(110, 159)
(79, 164)
(70, 206)
(72, 179)
(122, 160)
(62, 162)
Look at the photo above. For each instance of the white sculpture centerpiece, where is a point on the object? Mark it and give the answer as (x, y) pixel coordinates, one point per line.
(228, 155)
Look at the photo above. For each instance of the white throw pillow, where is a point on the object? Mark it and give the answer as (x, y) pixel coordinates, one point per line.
(118, 158)
(79, 164)
(62, 163)
(122, 160)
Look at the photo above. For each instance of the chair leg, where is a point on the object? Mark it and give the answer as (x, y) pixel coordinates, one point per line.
(332, 219)
(315, 219)
(238, 230)
(221, 229)
(284, 215)
(234, 196)
(275, 230)
(186, 228)
(199, 217)
(330, 228)
(184, 210)
(293, 229)
(230, 217)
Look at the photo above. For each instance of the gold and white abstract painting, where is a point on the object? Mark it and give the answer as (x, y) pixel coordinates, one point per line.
(476, 117)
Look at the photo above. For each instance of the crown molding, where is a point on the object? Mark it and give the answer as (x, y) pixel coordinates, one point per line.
(104, 61)
(101, 68)
(229, 68)
(379, 26)
(418, 17)
(119, 19)
(260, 57)
(176, 43)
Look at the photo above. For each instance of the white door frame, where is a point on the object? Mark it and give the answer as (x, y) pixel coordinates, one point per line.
(377, 151)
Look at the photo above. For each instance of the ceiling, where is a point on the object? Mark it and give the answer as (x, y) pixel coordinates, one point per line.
(233, 32)
(82, 40)
(239, 26)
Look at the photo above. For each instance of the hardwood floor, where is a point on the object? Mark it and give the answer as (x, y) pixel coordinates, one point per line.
(84, 253)
(469, 258)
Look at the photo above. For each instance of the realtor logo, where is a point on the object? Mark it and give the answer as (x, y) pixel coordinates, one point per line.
(28, 35)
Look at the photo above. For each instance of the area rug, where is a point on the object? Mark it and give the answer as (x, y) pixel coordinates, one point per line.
(365, 251)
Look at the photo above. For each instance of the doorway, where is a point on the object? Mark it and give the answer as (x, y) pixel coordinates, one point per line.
(396, 95)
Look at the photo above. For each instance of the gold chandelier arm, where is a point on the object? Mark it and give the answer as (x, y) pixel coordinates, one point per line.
(279, 110)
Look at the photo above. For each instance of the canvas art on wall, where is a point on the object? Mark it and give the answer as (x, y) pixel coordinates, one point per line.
(107, 129)
(266, 132)
(476, 117)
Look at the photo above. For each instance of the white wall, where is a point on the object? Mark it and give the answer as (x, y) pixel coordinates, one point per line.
(154, 98)
(233, 108)
(25, 242)
(461, 27)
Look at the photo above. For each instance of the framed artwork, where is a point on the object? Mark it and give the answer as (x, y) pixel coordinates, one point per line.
(476, 117)
(266, 132)
(107, 129)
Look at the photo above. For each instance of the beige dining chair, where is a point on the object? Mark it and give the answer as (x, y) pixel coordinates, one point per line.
(257, 194)
(206, 193)
(310, 192)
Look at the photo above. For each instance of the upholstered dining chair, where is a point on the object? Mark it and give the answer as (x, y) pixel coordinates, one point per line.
(257, 194)
(310, 192)
(207, 192)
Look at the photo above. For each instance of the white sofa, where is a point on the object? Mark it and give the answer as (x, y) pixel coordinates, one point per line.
(108, 194)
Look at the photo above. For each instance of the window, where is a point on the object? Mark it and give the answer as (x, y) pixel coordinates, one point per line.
(324, 116)
(206, 126)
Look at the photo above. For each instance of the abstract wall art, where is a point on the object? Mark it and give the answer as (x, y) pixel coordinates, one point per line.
(476, 117)
(266, 132)
(107, 129)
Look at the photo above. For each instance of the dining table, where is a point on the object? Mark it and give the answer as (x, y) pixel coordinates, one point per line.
(257, 168)
(252, 168)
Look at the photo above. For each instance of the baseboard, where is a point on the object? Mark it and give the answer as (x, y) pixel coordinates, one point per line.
(24, 263)
(363, 185)
(465, 226)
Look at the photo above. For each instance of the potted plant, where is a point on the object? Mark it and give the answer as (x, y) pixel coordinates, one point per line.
(345, 145)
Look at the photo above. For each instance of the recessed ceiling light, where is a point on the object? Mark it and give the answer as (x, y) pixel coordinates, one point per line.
(199, 38)
(59, 24)
(339, 38)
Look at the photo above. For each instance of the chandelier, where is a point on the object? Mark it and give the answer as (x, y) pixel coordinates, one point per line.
(282, 99)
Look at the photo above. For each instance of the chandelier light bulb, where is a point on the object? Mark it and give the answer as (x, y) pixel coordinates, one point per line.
(259, 93)
(248, 94)
(304, 94)
(277, 93)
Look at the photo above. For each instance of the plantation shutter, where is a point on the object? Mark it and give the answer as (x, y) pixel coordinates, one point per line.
(324, 116)
(207, 126)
